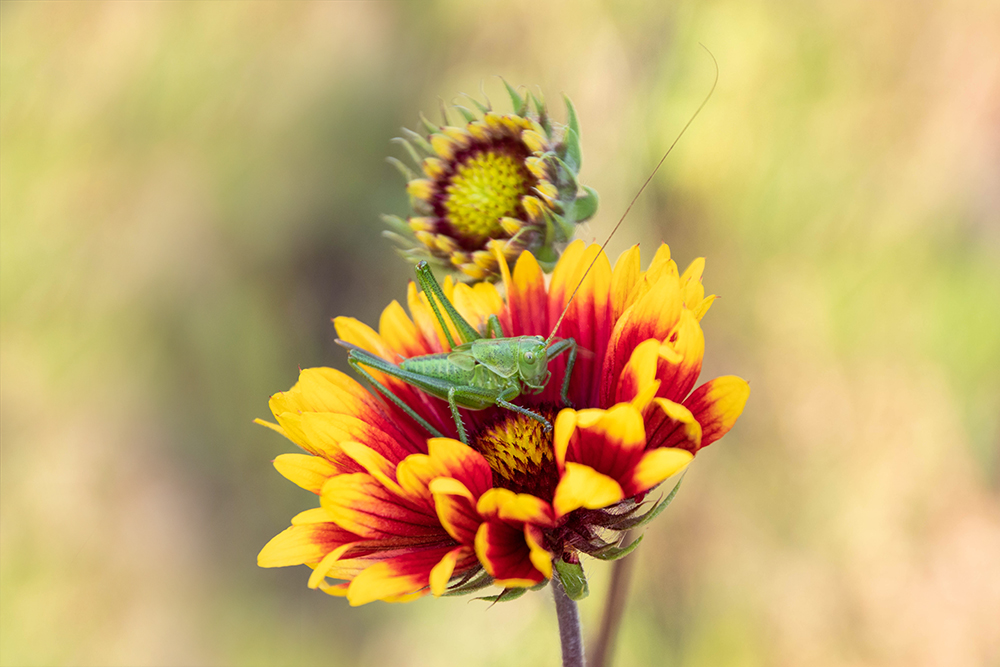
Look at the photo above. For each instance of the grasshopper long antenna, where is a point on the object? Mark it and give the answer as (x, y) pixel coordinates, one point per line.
(548, 340)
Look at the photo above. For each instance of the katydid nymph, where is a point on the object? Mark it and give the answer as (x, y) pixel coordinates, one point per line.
(482, 372)
(477, 373)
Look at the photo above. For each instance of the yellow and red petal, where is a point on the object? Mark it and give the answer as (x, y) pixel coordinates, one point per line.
(505, 505)
(654, 315)
(655, 466)
(457, 559)
(401, 576)
(626, 274)
(504, 552)
(360, 504)
(446, 458)
(582, 486)
(304, 543)
(638, 378)
(400, 333)
(309, 472)
(525, 293)
(671, 424)
(717, 405)
(588, 319)
(680, 358)
(609, 441)
(456, 509)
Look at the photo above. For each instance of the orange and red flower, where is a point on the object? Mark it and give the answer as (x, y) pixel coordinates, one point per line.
(402, 514)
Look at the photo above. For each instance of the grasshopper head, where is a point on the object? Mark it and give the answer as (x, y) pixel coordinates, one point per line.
(532, 361)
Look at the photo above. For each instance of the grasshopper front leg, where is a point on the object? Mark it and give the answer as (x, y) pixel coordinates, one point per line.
(553, 352)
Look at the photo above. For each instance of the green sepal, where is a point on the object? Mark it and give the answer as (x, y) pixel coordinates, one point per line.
(571, 152)
(445, 122)
(612, 552)
(417, 159)
(571, 119)
(585, 205)
(566, 179)
(398, 225)
(574, 581)
(562, 227)
(520, 106)
(466, 113)
(476, 583)
(429, 126)
(543, 114)
(506, 595)
(403, 169)
(483, 108)
(651, 514)
(419, 140)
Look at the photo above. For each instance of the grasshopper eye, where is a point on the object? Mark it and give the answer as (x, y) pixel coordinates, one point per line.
(529, 357)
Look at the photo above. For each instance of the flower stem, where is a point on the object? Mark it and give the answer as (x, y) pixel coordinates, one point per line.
(614, 609)
(569, 626)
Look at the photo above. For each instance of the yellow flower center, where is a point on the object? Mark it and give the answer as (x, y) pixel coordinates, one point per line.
(520, 453)
(485, 188)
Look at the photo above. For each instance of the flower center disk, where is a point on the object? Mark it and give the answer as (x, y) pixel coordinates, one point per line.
(520, 453)
(486, 187)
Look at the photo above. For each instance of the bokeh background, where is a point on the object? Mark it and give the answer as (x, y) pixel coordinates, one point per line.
(190, 192)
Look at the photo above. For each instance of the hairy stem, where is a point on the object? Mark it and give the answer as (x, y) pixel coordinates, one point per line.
(570, 634)
(614, 609)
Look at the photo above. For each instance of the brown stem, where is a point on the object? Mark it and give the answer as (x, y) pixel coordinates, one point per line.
(570, 634)
(614, 609)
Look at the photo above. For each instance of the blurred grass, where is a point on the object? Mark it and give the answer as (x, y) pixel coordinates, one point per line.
(188, 192)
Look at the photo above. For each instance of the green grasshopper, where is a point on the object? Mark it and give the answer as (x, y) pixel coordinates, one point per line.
(477, 373)
(483, 372)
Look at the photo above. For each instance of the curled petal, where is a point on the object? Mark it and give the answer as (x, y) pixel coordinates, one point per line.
(673, 425)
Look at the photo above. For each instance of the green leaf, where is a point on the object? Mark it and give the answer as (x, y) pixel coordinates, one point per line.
(613, 552)
(574, 581)
(520, 106)
(585, 205)
(571, 152)
(506, 595)
(653, 513)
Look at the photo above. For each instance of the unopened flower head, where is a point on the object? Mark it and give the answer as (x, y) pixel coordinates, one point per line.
(401, 515)
(505, 177)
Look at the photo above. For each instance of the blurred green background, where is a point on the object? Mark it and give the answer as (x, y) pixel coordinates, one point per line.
(190, 191)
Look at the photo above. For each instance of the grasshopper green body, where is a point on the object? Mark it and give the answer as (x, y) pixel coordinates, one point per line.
(477, 374)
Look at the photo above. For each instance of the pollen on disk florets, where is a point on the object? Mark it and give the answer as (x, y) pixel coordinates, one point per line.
(506, 179)
(520, 453)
